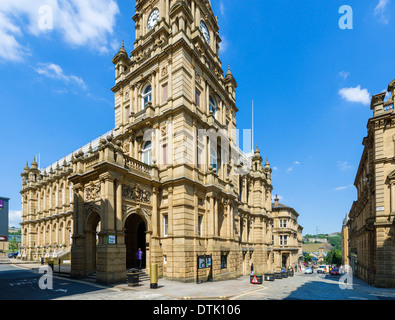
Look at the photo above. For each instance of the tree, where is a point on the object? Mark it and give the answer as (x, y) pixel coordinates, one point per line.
(334, 257)
(13, 245)
(308, 257)
(336, 242)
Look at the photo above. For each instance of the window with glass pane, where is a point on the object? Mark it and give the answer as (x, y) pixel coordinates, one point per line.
(166, 225)
(213, 158)
(200, 225)
(224, 261)
(213, 106)
(147, 96)
(147, 153)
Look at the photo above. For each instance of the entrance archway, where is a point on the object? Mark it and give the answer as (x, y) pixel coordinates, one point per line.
(93, 227)
(135, 238)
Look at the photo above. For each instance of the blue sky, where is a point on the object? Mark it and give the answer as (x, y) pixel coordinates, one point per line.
(310, 80)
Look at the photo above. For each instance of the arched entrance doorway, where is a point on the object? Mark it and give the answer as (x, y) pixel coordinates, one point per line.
(93, 227)
(135, 238)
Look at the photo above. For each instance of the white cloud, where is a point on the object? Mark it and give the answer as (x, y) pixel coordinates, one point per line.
(290, 169)
(343, 188)
(14, 218)
(54, 71)
(344, 74)
(222, 8)
(356, 94)
(223, 46)
(344, 165)
(80, 23)
(380, 10)
(297, 163)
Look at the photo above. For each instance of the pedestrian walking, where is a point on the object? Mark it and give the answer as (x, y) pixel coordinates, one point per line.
(139, 256)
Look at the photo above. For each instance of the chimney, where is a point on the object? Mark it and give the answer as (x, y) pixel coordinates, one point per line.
(276, 201)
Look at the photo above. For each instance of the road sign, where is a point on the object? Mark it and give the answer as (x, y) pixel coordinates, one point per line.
(255, 280)
(3, 239)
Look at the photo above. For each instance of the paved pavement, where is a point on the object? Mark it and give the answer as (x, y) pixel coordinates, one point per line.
(299, 287)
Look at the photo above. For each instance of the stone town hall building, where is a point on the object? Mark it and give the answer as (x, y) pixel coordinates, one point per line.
(169, 178)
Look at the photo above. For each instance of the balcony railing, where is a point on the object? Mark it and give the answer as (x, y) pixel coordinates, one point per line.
(133, 164)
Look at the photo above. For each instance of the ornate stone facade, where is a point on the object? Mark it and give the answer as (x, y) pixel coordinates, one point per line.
(287, 236)
(370, 222)
(169, 179)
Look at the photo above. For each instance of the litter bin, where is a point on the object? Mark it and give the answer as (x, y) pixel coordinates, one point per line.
(269, 276)
(154, 276)
(277, 275)
(133, 277)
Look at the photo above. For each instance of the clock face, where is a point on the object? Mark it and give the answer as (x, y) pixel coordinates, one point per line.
(204, 29)
(153, 19)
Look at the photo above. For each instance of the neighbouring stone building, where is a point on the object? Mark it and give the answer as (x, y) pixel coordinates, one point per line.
(169, 178)
(370, 222)
(345, 242)
(287, 236)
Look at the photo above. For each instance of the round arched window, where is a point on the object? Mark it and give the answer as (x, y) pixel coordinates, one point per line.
(213, 159)
(147, 153)
(147, 96)
(213, 106)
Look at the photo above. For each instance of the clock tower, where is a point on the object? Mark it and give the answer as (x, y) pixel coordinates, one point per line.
(175, 110)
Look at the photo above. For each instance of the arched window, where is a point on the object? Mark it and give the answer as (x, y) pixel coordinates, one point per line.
(147, 153)
(213, 106)
(147, 96)
(213, 159)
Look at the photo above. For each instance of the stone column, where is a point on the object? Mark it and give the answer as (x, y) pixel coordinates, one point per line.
(216, 231)
(155, 233)
(170, 213)
(78, 261)
(211, 226)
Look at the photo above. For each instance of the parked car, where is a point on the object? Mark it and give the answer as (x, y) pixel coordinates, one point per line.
(13, 255)
(309, 270)
(335, 272)
(322, 269)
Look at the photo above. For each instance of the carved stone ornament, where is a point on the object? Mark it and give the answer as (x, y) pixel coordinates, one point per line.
(92, 192)
(136, 193)
(164, 71)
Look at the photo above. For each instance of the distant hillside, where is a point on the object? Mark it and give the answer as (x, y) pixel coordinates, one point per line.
(332, 241)
(315, 247)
